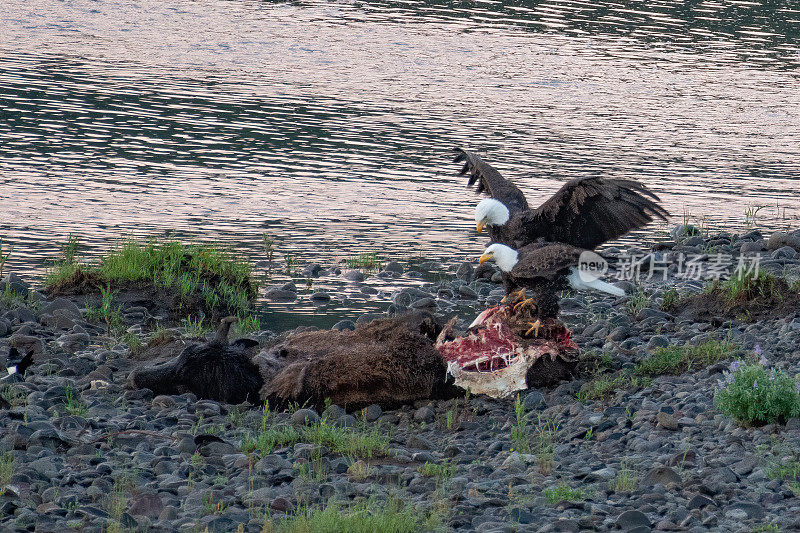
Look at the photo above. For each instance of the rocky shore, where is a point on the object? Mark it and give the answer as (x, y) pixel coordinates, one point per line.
(82, 451)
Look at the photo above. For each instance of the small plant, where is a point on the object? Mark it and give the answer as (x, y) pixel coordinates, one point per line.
(15, 396)
(194, 327)
(671, 297)
(247, 324)
(359, 470)
(679, 359)
(312, 469)
(544, 436)
(626, 480)
(748, 285)
(269, 249)
(751, 214)
(4, 257)
(109, 313)
(291, 263)
(73, 404)
(367, 516)
(367, 261)
(520, 433)
(441, 470)
(638, 301)
(755, 395)
(603, 387)
(211, 507)
(563, 493)
(117, 502)
(6, 471)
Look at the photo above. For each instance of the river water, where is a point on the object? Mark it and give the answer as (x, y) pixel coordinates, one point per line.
(330, 125)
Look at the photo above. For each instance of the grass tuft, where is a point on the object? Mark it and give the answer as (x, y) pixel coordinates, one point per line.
(198, 274)
(392, 516)
(563, 493)
(675, 359)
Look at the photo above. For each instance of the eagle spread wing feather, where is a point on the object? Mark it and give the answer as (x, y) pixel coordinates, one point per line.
(490, 181)
(587, 212)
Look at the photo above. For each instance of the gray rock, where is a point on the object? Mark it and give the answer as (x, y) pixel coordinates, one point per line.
(353, 275)
(661, 475)
(280, 295)
(699, 501)
(303, 417)
(467, 292)
(465, 272)
(534, 401)
(18, 285)
(393, 266)
(149, 505)
(780, 239)
(372, 412)
(321, 296)
(425, 414)
(344, 325)
(666, 421)
(632, 519)
(784, 252)
(750, 510)
(312, 271)
(73, 342)
(366, 318)
(423, 303)
(64, 305)
(657, 341)
(217, 448)
(753, 247)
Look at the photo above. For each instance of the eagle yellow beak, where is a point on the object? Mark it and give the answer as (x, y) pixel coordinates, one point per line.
(480, 225)
(485, 257)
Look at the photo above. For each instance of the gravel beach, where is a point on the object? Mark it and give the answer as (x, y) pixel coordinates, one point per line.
(82, 451)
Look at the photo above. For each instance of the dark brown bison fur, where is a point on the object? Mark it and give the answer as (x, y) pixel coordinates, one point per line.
(388, 362)
(215, 370)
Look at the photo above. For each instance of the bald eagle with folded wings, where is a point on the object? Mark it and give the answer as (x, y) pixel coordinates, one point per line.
(585, 212)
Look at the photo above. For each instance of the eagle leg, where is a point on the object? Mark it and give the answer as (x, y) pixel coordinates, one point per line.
(524, 303)
(534, 328)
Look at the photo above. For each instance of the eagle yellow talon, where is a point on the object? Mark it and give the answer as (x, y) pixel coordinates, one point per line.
(523, 303)
(534, 328)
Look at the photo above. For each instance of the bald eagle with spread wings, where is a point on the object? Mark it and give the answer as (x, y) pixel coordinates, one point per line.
(585, 212)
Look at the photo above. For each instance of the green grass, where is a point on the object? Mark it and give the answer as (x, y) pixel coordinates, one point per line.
(671, 297)
(520, 433)
(638, 301)
(203, 273)
(538, 439)
(563, 493)
(4, 257)
(749, 286)
(369, 516)
(194, 327)
(16, 396)
(358, 442)
(603, 387)
(73, 404)
(6, 471)
(440, 470)
(676, 359)
(366, 261)
(626, 480)
(247, 324)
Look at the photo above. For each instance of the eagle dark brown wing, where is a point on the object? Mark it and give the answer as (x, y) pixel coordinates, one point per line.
(490, 181)
(544, 260)
(587, 212)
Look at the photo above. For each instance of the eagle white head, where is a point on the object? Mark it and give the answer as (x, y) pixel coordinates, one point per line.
(504, 256)
(490, 212)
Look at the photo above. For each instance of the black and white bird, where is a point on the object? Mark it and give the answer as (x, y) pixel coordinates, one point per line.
(585, 212)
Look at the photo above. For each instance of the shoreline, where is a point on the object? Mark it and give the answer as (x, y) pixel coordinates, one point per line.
(594, 453)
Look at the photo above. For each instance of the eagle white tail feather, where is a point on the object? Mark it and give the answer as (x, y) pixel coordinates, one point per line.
(577, 283)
